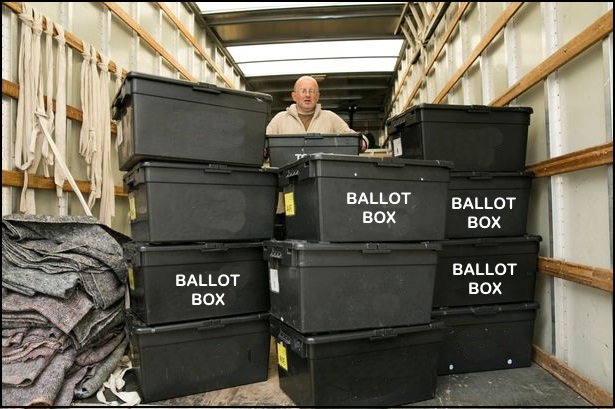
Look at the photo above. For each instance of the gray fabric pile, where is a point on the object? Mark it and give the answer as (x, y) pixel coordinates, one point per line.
(63, 323)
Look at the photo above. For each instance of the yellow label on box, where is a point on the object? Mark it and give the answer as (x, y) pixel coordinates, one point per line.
(131, 278)
(132, 211)
(289, 203)
(282, 362)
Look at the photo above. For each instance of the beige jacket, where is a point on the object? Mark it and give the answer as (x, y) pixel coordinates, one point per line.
(288, 122)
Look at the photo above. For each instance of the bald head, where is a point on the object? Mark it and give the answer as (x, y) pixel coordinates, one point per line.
(306, 82)
(306, 94)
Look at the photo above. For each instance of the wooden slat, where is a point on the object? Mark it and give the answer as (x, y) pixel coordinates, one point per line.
(11, 90)
(15, 179)
(71, 40)
(194, 43)
(455, 22)
(125, 17)
(598, 30)
(583, 159)
(485, 41)
(447, 34)
(596, 277)
(583, 386)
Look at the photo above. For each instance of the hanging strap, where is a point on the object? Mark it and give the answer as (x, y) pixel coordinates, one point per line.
(107, 191)
(24, 121)
(60, 117)
(45, 152)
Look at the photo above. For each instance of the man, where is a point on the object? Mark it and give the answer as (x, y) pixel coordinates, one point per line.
(307, 116)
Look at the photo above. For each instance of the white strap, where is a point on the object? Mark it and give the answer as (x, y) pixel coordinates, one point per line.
(47, 155)
(107, 191)
(60, 118)
(43, 119)
(24, 121)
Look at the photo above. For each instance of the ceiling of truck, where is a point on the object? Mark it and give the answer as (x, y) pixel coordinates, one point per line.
(355, 79)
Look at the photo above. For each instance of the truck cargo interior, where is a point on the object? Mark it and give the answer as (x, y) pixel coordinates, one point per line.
(163, 245)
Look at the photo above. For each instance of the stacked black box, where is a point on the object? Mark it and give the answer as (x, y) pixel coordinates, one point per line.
(484, 288)
(200, 205)
(285, 149)
(351, 287)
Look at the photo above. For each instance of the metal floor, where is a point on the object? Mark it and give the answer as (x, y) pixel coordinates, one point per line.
(518, 387)
(513, 388)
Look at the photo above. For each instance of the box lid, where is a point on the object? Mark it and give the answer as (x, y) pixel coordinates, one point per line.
(478, 310)
(137, 326)
(362, 167)
(209, 173)
(302, 245)
(459, 114)
(143, 253)
(199, 92)
(313, 139)
(492, 241)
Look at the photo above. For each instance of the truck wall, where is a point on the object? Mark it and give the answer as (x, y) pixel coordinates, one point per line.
(516, 54)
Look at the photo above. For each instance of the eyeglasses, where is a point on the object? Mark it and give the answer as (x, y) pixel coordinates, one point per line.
(306, 91)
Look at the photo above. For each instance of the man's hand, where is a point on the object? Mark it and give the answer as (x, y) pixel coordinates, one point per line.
(364, 143)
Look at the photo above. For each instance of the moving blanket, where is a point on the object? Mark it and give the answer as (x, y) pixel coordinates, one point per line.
(52, 254)
(63, 288)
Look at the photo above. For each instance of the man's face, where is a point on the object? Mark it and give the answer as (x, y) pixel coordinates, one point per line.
(306, 96)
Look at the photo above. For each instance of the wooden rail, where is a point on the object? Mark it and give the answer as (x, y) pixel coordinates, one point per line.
(71, 40)
(194, 43)
(596, 31)
(583, 159)
(485, 41)
(583, 386)
(15, 179)
(601, 278)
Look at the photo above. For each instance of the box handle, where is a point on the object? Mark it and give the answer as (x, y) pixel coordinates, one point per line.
(486, 310)
(481, 176)
(217, 170)
(209, 250)
(486, 244)
(118, 109)
(390, 164)
(313, 136)
(203, 87)
(383, 333)
(375, 251)
(479, 109)
(275, 254)
(214, 324)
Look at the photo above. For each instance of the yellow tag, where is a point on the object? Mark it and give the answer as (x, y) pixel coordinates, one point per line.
(289, 204)
(282, 356)
(131, 278)
(132, 211)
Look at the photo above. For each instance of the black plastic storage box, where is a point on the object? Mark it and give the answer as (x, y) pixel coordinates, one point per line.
(494, 270)
(171, 119)
(180, 202)
(486, 337)
(183, 359)
(170, 284)
(344, 198)
(284, 149)
(487, 204)
(336, 287)
(380, 367)
(474, 137)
